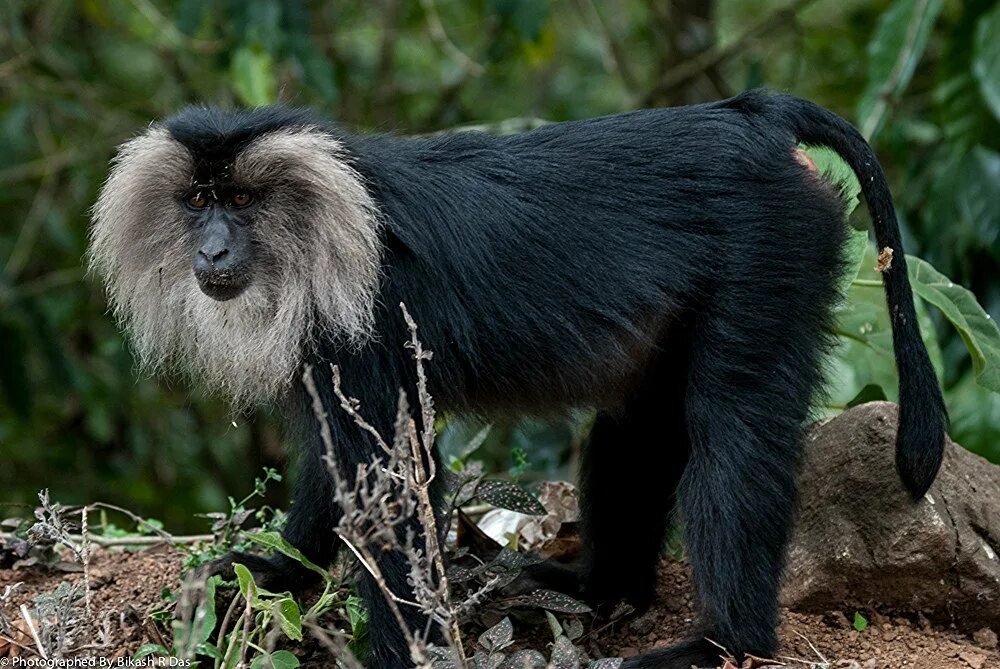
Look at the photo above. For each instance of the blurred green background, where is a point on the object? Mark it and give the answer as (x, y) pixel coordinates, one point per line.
(921, 78)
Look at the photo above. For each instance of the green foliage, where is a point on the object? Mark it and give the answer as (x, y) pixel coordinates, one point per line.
(860, 622)
(976, 327)
(894, 51)
(986, 62)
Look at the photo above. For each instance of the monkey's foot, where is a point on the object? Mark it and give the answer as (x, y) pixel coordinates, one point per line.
(277, 573)
(694, 653)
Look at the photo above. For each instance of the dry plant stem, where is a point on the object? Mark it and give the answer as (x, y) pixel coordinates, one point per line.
(350, 409)
(410, 465)
(231, 648)
(7, 639)
(34, 632)
(111, 542)
(85, 561)
(368, 562)
(139, 520)
(244, 642)
(367, 559)
(224, 626)
(424, 477)
(814, 649)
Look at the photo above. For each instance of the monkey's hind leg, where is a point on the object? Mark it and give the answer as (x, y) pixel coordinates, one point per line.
(751, 386)
(631, 467)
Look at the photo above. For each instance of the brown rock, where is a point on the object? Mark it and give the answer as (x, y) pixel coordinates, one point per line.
(974, 660)
(861, 540)
(986, 638)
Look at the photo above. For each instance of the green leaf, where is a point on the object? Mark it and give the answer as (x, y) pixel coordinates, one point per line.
(248, 588)
(974, 325)
(860, 622)
(549, 600)
(894, 51)
(289, 618)
(276, 542)
(976, 195)
(524, 659)
(975, 417)
(564, 655)
(205, 617)
(211, 650)
(986, 59)
(150, 649)
(252, 72)
(870, 393)
(283, 659)
(497, 637)
(357, 614)
(511, 496)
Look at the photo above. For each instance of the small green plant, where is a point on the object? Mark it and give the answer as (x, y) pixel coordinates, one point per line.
(519, 458)
(228, 528)
(860, 622)
(247, 639)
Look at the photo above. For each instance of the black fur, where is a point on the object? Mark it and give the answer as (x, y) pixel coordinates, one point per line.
(673, 268)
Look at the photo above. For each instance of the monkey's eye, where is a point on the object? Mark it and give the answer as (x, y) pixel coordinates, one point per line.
(197, 201)
(240, 199)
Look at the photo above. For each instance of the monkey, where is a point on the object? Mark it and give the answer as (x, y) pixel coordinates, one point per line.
(673, 269)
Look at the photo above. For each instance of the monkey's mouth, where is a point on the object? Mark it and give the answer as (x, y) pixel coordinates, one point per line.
(223, 284)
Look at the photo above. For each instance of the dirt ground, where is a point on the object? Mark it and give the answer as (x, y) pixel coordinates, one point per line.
(900, 641)
(128, 585)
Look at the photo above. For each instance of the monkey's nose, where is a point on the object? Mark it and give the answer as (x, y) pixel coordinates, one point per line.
(210, 258)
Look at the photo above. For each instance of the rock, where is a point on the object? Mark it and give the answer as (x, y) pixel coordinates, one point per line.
(974, 660)
(986, 638)
(860, 540)
(645, 623)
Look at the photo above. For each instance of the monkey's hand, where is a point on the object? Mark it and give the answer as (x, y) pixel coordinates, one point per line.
(277, 573)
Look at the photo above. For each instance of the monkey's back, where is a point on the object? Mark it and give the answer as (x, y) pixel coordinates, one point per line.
(573, 252)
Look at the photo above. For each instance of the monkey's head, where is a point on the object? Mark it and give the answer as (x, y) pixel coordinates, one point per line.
(227, 240)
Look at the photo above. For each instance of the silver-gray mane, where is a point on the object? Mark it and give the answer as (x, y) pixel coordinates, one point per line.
(317, 263)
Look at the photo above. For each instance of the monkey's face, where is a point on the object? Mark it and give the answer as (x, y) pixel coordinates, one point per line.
(225, 249)
(221, 216)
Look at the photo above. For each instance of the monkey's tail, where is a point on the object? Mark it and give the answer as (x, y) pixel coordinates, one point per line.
(922, 415)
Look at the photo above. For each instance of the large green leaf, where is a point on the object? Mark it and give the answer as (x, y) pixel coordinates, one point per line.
(959, 305)
(986, 59)
(894, 51)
